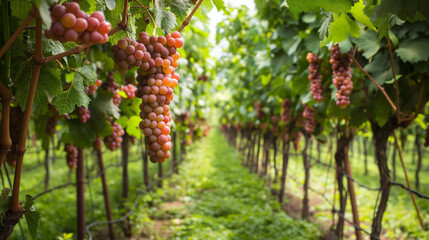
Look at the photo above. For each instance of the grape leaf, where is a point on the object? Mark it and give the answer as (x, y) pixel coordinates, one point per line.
(110, 4)
(66, 101)
(45, 13)
(336, 6)
(324, 26)
(414, 50)
(368, 43)
(220, 5)
(164, 19)
(48, 85)
(31, 216)
(79, 134)
(359, 15)
(104, 106)
(20, 9)
(340, 28)
(179, 7)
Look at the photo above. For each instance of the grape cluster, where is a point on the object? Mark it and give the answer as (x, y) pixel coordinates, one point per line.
(70, 24)
(286, 111)
(258, 108)
(275, 127)
(71, 155)
(50, 126)
(90, 90)
(116, 99)
(110, 84)
(156, 80)
(129, 53)
(308, 115)
(314, 76)
(114, 140)
(129, 90)
(296, 139)
(203, 78)
(83, 114)
(98, 143)
(342, 75)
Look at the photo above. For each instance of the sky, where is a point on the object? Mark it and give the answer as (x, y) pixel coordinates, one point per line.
(216, 17)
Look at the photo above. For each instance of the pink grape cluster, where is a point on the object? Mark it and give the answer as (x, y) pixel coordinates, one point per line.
(83, 114)
(70, 24)
(285, 111)
(90, 90)
(98, 143)
(114, 140)
(129, 53)
(156, 80)
(111, 86)
(50, 126)
(129, 90)
(71, 155)
(308, 115)
(314, 76)
(342, 75)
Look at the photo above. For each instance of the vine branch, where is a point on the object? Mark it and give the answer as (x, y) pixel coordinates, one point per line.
(408, 181)
(372, 79)
(18, 32)
(188, 19)
(15, 206)
(392, 64)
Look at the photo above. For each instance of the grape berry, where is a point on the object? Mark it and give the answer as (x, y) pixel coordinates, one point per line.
(114, 140)
(308, 114)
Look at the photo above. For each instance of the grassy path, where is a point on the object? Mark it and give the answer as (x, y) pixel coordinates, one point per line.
(214, 197)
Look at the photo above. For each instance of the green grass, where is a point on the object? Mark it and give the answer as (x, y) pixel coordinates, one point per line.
(224, 201)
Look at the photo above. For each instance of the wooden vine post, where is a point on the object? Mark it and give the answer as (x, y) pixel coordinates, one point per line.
(305, 205)
(80, 195)
(106, 194)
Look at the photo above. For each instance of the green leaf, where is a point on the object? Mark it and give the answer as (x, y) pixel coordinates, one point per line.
(20, 9)
(79, 134)
(414, 50)
(265, 79)
(48, 85)
(220, 5)
(31, 216)
(324, 26)
(368, 43)
(66, 101)
(336, 6)
(179, 7)
(103, 104)
(5, 200)
(359, 15)
(340, 28)
(45, 13)
(164, 19)
(110, 4)
(133, 128)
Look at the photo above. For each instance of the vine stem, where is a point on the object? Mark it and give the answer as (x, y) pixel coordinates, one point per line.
(408, 181)
(372, 79)
(38, 62)
(392, 64)
(188, 19)
(18, 32)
